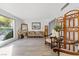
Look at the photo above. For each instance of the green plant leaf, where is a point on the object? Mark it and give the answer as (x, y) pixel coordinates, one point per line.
(57, 28)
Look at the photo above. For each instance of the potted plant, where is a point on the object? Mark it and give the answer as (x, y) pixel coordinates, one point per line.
(57, 28)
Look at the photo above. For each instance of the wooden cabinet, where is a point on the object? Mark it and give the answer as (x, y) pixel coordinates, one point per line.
(46, 30)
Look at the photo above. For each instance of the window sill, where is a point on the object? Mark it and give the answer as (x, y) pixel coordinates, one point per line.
(3, 43)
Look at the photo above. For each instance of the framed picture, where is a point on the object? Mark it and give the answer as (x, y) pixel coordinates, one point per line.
(24, 27)
(36, 25)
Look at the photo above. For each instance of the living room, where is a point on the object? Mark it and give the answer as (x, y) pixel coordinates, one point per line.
(34, 31)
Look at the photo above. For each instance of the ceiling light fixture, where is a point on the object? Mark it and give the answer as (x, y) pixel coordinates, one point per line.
(64, 6)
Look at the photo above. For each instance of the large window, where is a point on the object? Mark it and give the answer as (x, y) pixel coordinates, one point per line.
(6, 28)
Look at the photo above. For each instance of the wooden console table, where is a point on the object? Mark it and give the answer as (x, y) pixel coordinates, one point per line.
(22, 35)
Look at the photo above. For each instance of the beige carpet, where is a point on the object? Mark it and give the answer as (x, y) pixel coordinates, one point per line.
(27, 47)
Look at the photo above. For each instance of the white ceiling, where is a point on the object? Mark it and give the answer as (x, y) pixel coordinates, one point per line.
(31, 11)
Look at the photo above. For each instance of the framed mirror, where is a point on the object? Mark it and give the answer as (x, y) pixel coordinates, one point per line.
(24, 27)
